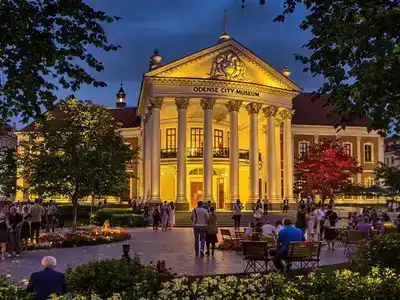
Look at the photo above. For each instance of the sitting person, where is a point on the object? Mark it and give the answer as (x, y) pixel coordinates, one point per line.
(268, 229)
(249, 230)
(258, 228)
(48, 281)
(365, 228)
(285, 236)
(278, 226)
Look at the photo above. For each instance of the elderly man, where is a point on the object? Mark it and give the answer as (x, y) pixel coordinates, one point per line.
(48, 281)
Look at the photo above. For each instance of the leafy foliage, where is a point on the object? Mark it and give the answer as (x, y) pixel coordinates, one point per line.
(382, 250)
(46, 44)
(76, 151)
(107, 213)
(109, 276)
(390, 175)
(10, 291)
(8, 172)
(356, 47)
(325, 170)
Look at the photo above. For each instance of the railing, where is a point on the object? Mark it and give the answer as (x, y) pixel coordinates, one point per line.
(198, 152)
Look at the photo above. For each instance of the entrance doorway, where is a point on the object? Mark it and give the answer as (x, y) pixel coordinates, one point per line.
(221, 194)
(196, 193)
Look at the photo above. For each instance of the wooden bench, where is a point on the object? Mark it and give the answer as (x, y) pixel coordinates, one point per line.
(303, 255)
(227, 236)
(387, 230)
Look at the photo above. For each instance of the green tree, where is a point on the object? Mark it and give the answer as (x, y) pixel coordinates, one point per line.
(44, 45)
(389, 175)
(8, 172)
(356, 47)
(76, 151)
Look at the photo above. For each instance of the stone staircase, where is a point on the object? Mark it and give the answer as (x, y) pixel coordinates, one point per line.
(182, 218)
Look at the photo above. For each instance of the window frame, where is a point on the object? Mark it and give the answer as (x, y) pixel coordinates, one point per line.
(372, 153)
(299, 147)
(196, 137)
(172, 137)
(350, 148)
(218, 138)
(369, 179)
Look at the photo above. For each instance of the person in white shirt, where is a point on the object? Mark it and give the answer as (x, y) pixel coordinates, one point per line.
(258, 214)
(199, 219)
(268, 229)
(249, 230)
(278, 226)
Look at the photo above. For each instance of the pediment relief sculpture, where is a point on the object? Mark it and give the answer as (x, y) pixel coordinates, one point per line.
(227, 65)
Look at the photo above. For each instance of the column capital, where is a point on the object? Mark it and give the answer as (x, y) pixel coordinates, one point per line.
(253, 108)
(270, 111)
(358, 139)
(207, 103)
(234, 105)
(286, 114)
(181, 102)
(156, 102)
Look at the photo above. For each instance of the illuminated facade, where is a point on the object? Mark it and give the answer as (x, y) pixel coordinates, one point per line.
(221, 124)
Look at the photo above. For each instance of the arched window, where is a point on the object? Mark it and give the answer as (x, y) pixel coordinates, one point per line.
(200, 171)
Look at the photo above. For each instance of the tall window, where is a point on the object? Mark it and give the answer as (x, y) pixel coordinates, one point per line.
(196, 138)
(348, 148)
(229, 139)
(392, 159)
(303, 148)
(367, 152)
(369, 181)
(387, 160)
(218, 138)
(171, 138)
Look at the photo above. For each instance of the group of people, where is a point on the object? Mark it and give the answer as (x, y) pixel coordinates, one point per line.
(164, 214)
(21, 222)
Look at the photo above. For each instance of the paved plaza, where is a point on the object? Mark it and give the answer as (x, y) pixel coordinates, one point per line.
(175, 247)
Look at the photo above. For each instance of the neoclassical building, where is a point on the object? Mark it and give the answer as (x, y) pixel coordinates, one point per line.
(221, 124)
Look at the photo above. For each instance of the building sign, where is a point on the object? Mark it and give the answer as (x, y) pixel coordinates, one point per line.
(227, 91)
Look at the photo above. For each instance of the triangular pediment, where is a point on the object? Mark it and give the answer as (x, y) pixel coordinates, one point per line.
(228, 60)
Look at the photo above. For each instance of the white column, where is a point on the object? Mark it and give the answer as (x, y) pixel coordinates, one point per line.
(359, 158)
(288, 155)
(207, 105)
(233, 108)
(181, 105)
(278, 161)
(270, 113)
(253, 110)
(156, 104)
(147, 155)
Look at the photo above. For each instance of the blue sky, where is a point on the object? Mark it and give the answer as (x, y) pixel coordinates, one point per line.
(180, 27)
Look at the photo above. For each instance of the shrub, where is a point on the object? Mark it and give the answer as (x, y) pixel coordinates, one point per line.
(9, 291)
(131, 220)
(109, 276)
(107, 213)
(343, 284)
(382, 250)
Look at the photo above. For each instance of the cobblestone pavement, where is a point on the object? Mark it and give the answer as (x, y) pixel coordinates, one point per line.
(175, 247)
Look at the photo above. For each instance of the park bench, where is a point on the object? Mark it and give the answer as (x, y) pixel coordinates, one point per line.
(387, 230)
(227, 236)
(352, 239)
(255, 253)
(303, 255)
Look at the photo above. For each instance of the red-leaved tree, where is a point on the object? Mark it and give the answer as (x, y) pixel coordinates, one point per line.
(325, 170)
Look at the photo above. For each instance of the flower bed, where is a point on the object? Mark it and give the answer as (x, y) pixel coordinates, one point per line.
(96, 236)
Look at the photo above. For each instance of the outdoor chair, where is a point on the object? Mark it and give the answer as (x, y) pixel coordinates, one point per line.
(227, 236)
(387, 230)
(303, 255)
(256, 256)
(239, 240)
(352, 239)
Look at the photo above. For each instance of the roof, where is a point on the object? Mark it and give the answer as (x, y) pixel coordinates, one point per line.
(126, 116)
(310, 110)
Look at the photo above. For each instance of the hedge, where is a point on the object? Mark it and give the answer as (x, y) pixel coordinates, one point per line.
(131, 220)
(107, 214)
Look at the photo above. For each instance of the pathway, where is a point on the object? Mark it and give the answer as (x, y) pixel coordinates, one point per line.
(175, 247)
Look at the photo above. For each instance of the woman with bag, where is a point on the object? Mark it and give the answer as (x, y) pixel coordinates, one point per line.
(237, 214)
(212, 231)
(331, 218)
(313, 226)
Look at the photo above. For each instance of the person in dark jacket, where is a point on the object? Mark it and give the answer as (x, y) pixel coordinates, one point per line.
(48, 281)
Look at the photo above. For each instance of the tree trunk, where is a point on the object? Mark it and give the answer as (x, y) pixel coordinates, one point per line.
(74, 211)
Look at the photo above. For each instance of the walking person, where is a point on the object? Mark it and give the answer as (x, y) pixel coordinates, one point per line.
(26, 228)
(265, 205)
(301, 219)
(331, 218)
(146, 215)
(164, 215)
(258, 213)
(156, 217)
(237, 214)
(51, 215)
(313, 226)
(171, 216)
(15, 221)
(199, 218)
(37, 212)
(285, 205)
(211, 231)
(3, 231)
